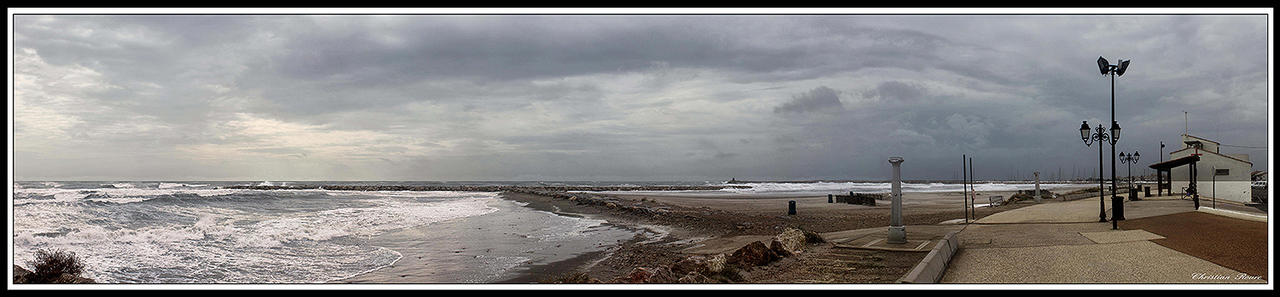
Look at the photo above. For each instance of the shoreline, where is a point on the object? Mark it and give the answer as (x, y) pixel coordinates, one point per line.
(605, 263)
(728, 221)
(666, 226)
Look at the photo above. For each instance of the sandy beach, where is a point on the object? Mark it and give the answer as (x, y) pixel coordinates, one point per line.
(694, 224)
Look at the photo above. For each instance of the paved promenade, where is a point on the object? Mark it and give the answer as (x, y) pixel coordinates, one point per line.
(1063, 243)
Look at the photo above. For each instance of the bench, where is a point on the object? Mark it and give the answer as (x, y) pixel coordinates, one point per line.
(858, 198)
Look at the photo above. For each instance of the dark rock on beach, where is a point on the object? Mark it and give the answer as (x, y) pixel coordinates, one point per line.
(24, 276)
(754, 254)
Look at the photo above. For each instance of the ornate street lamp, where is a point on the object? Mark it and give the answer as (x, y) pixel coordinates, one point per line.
(1130, 160)
(1097, 135)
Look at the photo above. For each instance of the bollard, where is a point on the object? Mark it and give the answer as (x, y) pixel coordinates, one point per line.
(1133, 193)
(791, 207)
(897, 232)
(1117, 208)
(1148, 189)
(830, 198)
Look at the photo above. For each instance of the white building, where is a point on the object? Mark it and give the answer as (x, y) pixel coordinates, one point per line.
(1224, 176)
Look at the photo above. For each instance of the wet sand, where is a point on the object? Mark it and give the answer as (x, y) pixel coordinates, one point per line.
(513, 244)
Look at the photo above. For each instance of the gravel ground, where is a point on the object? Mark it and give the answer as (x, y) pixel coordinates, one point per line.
(824, 264)
(1137, 262)
(1233, 243)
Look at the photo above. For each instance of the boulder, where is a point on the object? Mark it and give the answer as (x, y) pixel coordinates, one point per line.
(754, 254)
(699, 264)
(20, 274)
(24, 276)
(791, 241)
(694, 278)
(693, 264)
(643, 275)
(67, 278)
(777, 248)
(716, 263)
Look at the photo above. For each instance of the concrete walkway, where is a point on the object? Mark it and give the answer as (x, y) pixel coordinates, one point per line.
(1075, 211)
(1063, 242)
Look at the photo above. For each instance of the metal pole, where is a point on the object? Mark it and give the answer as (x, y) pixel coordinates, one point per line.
(1117, 207)
(964, 186)
(1129, 169)
(897, 232)
(972, 194)
(1102, 197)
(1213, 187)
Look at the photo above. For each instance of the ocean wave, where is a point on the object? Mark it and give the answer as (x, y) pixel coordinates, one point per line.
(179, 243)
(391, 214)
(164, 185)
(112, 195)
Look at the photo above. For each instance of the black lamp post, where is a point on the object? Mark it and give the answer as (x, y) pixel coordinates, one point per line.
(1130, 160)
(1098, 135)
(1161, 151)
(1117, 205)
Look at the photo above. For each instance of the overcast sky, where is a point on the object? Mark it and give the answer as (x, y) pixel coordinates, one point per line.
(615, 97)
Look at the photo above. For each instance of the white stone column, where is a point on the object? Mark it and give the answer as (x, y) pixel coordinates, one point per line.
(1037, 187)
(897, 232)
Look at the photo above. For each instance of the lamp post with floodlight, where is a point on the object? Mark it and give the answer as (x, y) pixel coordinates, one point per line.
(1117, 206)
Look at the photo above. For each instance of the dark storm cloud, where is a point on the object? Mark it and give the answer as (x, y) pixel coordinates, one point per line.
(821, 99)
(665, 97)
(896, 91)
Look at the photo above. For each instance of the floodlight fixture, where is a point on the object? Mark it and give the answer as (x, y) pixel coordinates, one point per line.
(1124, 64)
(1103, 65)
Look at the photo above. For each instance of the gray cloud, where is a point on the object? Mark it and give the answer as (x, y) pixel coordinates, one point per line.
(896, 91)
(674, 97)
(820, 99)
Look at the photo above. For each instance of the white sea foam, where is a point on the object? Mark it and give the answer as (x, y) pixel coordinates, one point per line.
(178, 185)
(225, 245)
(123, 185)
(112, 195)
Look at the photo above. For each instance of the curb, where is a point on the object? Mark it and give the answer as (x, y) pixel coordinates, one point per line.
(931, 268)
(1233, 214)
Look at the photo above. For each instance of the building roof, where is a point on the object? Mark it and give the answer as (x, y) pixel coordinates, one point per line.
(1211, 152)
(1201, 138)
(1166, 165)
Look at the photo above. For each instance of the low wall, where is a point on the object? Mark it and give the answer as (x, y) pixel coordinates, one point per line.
(931, 268)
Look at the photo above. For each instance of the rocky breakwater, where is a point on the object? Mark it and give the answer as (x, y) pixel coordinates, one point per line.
(723, 268)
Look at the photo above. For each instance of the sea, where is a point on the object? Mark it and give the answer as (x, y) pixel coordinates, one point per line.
(195, 232)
